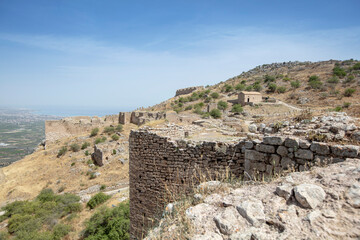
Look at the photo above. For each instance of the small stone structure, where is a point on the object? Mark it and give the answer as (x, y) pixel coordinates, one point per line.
(246, 98)
(124, 117)
(188, 90)
(158, 164)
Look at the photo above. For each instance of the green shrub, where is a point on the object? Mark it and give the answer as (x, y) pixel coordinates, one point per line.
(337, 108)
(316, 84)
(74, 147)
(98, 140)
(268, 78)
(356, 66)
(281, 89)
(85, 145)
(237, 108)
(62, 151)
(257, 87)
(115, 137)
(188, 107)
(338, 71)
(346, 105)
(349, 92)
(178, 109)
(119, 128)
(109, 130)
(87, 153)
(97, 199)
(214, 95)
(314, 78)
(194, 97)
(94, 132)
(207, 99)
(272, 87)
(205, 115)
(199, 105)
(114, 151)
(222, 105)
(295, 84)
(102, 187)
(243, 82)
(349, 79)
(249, 88)
(109, 223)
(240, 87)
(227, 88)
(286, 79)
(333, 80)
(60, 231)
(180, 105)
(215, 113)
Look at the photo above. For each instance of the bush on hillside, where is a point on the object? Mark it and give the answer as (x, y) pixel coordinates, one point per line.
(268, 78)
(227, 88)
(249, 88)
(315, 83)
(62, 151)
(272, 87)
(100, 140)
(333, 80)
(188, 108)
(349, 79)
(109, 223)
(74, 147)
(240, 87)
(295, 84)
(237, 108)
(115, 137)
(338, 71)
(281, 89)
(346, 105)
(356, 66)
(214, 95)
(94, 132)
(313, 78)
(109, 130)
(215, 113)
(222, 105)
(349, 92)
(119, 128)
(257, 87)
(85, 145)
(97, 199)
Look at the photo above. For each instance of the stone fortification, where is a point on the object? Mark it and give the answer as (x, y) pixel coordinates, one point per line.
(72, 126)
(140, 118)
(188, 90)
(158, 163)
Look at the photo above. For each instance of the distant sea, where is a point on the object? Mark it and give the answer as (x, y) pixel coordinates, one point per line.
(76, 111)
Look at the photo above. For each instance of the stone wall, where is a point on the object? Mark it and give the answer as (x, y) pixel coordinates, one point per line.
(159, 163)
(72, 126)
(188, 90)
(124, 117)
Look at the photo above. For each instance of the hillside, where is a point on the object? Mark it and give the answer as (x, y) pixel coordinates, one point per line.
(66, 165)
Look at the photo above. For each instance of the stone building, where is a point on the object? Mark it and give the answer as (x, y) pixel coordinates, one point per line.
(246, 98)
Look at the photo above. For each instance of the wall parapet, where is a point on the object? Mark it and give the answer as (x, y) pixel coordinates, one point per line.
(188, 90)
(158, 163)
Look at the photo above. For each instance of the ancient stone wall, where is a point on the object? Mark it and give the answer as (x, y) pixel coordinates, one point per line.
(124, 117)
(159, 163)
(72, 126)
(188, 90)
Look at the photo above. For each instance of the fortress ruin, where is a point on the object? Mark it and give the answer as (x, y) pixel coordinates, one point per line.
(158, 163)
(188, 90)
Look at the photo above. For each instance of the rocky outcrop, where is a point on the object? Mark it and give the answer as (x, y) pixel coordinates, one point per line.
(318, 204)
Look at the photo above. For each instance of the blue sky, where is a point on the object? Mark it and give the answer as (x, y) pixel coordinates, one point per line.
(120, 55)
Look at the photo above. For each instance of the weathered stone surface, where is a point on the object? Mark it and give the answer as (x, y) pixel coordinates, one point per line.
(345, 151)
(207, 236)
(255, 155)
(304, 154)
(252, 128)
(265, 148)
(304, 144)
(287, 163)
(282, 151)
(284, 191)
(320, 148)
(291, 143)
(309, 195)
(253, 211)
(248, 144)
(273, 140)
(353, 195)
(274, 160)
(229, 221)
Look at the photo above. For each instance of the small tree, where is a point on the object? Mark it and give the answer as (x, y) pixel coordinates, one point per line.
(237, 108)
(272, 87)
(215, 113)
(240, 87)
(97, 199)
(349, 92)
(257, 87)
(94, 132)
(214, 95)
(115, 137)
(295, 84)
(74, 147)
(62, 151)
(268, 78)
(222, 105)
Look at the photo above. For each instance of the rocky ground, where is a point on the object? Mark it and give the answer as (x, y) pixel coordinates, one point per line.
(323, 203)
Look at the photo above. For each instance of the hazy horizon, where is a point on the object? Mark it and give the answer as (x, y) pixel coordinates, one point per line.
(125, 55)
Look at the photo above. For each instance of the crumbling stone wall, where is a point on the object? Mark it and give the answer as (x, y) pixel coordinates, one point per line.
(188, 90)
(158, 163)
(72, 126)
